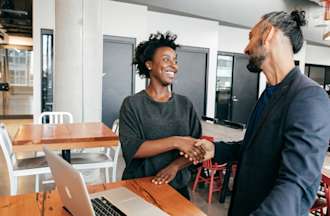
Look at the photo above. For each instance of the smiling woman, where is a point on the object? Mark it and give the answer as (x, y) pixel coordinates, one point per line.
(157, 124)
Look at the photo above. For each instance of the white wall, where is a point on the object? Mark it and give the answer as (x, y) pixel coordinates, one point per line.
(317, 55)
(192, 32)
(126, 20)
(43, 17)
(232, 39)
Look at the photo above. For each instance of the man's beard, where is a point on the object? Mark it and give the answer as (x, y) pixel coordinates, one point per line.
(255, 63)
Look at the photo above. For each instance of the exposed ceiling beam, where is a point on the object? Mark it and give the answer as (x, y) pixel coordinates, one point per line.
(7, 25)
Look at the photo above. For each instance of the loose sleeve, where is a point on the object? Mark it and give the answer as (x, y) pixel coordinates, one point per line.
(226, 152)
(195, 124)
(129, 132)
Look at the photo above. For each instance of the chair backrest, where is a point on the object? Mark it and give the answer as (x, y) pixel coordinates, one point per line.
(115, 126)
(6, 147)
(55, 118)
(326, 182)
(115, 129)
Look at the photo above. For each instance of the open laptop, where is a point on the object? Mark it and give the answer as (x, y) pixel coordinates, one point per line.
(74, 195)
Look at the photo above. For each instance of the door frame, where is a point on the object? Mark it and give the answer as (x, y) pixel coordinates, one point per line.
(206, 51)
(43, 32)
(326, 67)
(122, 40)
(232, 78)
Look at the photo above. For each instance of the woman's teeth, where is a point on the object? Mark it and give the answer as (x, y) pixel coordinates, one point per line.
(170, 74)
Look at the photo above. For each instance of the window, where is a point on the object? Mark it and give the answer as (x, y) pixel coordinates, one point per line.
(20, 68)
(47, 70)
(320, 74)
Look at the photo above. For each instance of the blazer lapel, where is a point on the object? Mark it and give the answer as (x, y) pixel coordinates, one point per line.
(270, 106)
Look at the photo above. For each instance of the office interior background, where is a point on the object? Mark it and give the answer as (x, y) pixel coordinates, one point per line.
(76, 55)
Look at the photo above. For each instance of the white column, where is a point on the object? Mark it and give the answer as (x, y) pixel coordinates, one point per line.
(92, 60)
(68, 91)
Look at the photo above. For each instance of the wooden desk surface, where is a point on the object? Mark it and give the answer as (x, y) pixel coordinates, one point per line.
(49, 203)
(63, 136)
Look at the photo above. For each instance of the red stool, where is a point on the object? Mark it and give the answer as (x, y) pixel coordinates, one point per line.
(322, 201)
(214, 182)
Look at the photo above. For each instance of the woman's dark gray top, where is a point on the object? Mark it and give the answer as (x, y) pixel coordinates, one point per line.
(142, 119)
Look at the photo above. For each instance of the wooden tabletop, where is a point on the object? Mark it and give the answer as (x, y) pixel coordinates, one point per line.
(49, 203)
(63, 136)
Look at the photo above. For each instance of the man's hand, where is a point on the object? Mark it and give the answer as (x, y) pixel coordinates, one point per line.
(166, 175)
(207, 146)
(187, 147)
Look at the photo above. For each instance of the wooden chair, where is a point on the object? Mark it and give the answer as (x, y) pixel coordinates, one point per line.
(323, 199)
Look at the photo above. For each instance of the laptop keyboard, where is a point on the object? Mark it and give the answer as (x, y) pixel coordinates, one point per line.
(103, 207)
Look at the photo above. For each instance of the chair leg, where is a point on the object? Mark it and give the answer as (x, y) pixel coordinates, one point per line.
(106, 175)
(211, 187)
(114, 170)
(14, 186)
(197, 178)
(36, 186)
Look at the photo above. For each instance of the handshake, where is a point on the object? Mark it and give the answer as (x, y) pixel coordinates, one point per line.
(196, 150)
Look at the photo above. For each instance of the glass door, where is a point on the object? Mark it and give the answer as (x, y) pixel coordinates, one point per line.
(224, 87)
(16, 72)
(47, 75)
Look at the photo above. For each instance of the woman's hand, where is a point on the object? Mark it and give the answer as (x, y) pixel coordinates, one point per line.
(166, 175)
(208, 148)
(187, 147)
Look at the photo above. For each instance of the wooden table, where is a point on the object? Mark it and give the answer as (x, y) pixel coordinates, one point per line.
(63, 137)
(49, 203)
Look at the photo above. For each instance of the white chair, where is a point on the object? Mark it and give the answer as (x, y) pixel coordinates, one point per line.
(55, 117)
(107, 159)
(20, 167)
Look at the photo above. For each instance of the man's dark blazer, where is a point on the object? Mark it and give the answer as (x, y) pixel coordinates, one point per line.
(279, 167)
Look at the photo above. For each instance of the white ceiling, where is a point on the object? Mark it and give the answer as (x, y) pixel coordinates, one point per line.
(244, 13)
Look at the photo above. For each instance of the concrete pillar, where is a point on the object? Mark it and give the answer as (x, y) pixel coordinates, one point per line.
(68, 91)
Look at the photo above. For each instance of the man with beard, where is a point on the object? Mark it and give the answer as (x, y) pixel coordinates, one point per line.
(281, 156)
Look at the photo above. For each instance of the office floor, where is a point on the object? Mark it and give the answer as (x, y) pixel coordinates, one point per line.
(199, 198)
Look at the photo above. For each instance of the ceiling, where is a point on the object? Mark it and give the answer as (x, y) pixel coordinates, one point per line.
(16, 17)
(243, 13)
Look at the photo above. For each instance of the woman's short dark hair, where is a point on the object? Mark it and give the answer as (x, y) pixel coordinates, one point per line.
(290, 25)
(146, 50)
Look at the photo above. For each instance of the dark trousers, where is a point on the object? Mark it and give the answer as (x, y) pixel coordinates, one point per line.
(184, 192)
